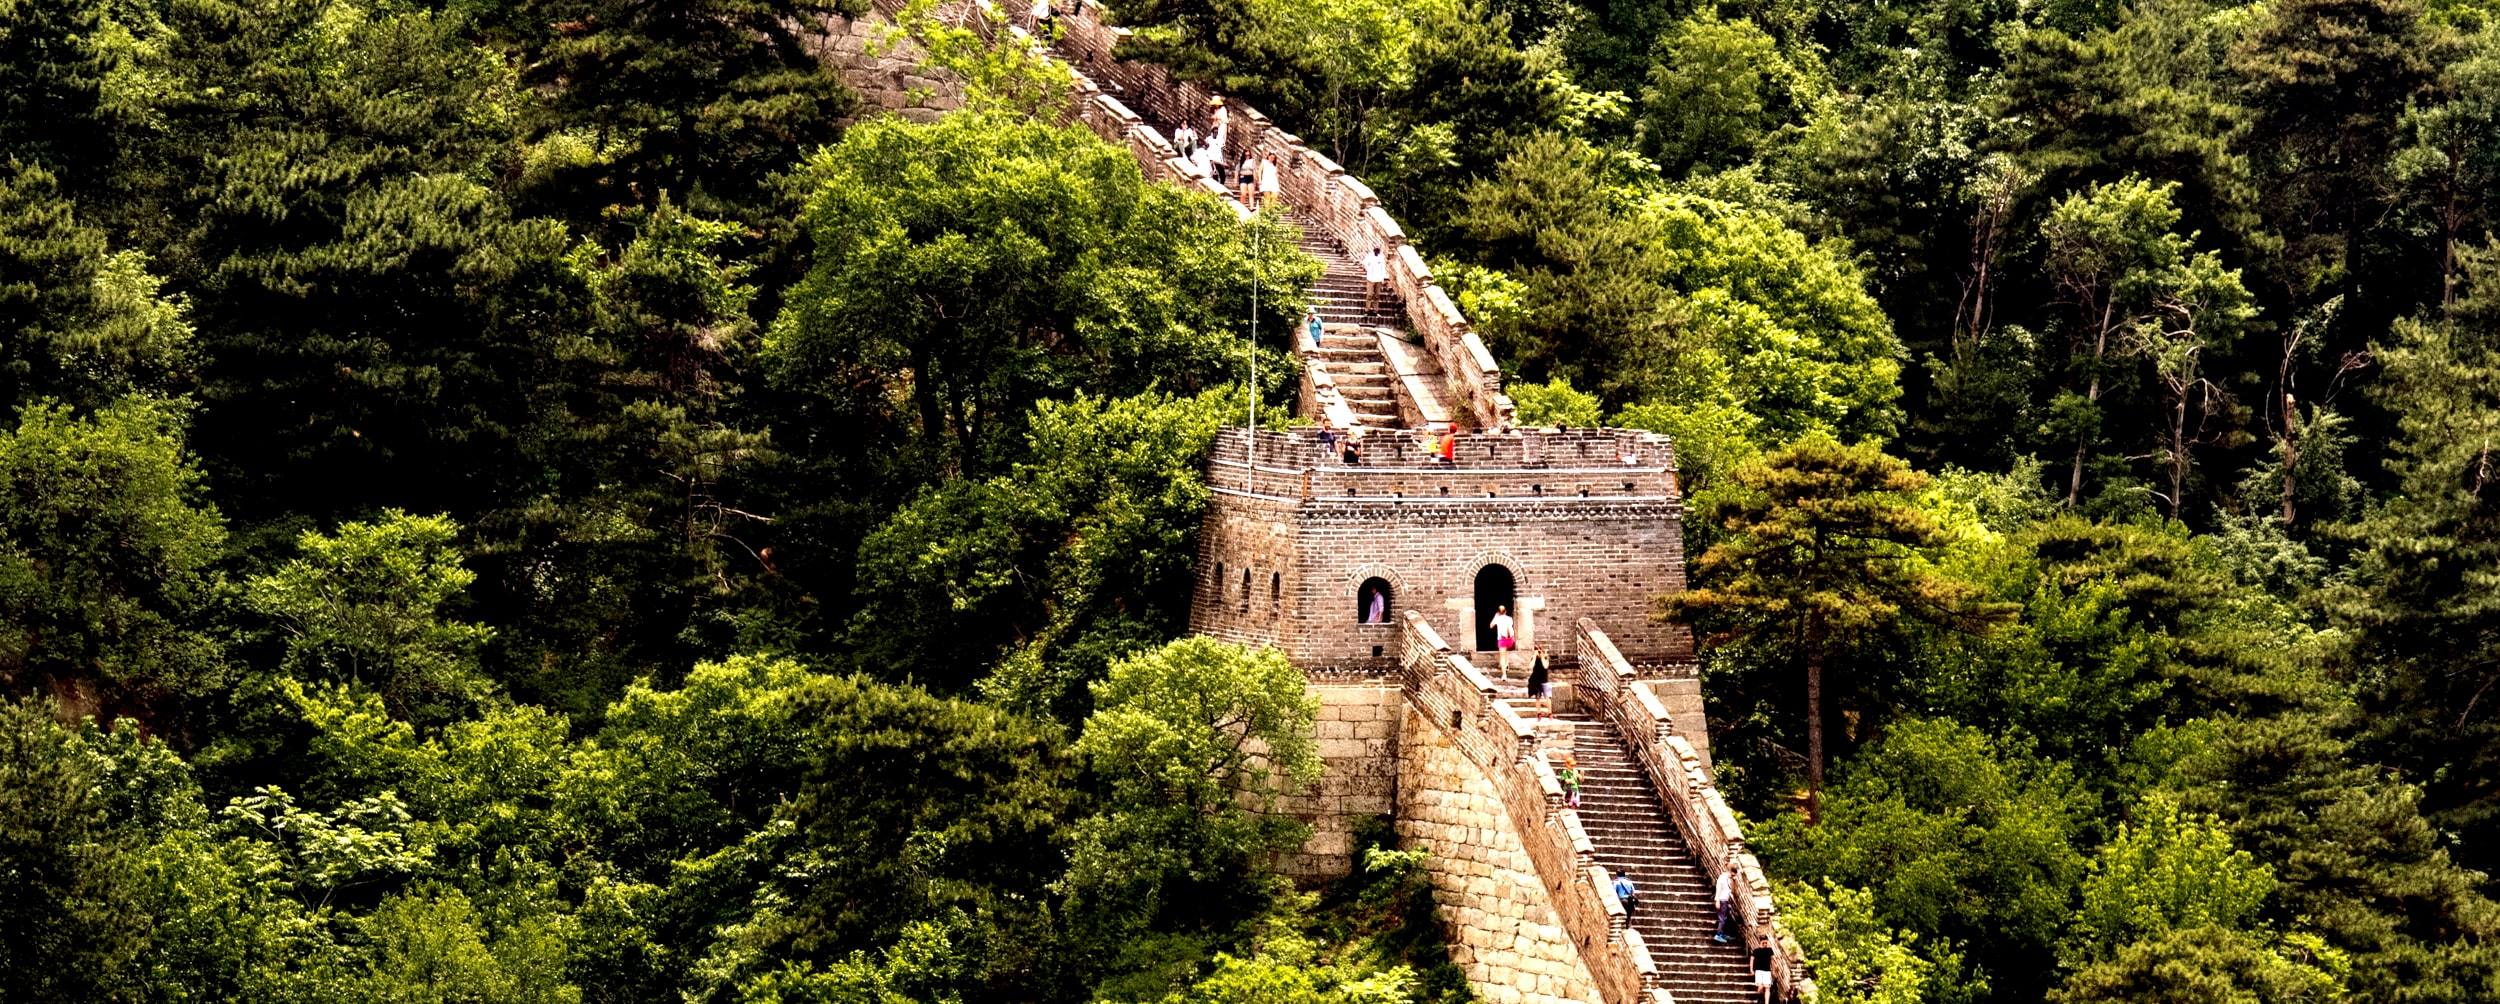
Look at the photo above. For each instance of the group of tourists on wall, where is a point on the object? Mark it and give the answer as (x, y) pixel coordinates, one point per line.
(1258, 180)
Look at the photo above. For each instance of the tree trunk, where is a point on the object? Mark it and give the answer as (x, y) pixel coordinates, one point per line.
(2092, 396)
(1814, 719)
(2178, 451)
(2291, 455)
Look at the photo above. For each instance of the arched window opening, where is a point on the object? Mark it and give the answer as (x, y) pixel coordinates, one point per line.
(1219, 582)
(1494, 593)
(1275, 585)
(1373, 600)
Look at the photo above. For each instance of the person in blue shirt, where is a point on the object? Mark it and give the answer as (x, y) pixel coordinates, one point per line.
(1311, 325)
(1623, 891)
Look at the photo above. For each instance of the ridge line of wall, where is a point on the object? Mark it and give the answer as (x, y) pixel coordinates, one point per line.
(1107, 87)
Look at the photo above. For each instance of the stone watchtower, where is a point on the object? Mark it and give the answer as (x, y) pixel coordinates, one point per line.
(1318, 557)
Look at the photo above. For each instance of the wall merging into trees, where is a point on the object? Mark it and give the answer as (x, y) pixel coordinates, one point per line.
(1130, 103)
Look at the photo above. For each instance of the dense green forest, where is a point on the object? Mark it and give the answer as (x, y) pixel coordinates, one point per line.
(531, 501)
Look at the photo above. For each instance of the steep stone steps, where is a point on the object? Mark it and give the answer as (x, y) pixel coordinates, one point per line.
(1632, 833)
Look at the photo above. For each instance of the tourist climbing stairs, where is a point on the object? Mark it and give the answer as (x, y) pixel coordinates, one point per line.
(1631, 831)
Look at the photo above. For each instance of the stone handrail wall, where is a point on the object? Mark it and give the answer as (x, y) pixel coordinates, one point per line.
(1457, 699)
(1626, 702)
(1107, 96)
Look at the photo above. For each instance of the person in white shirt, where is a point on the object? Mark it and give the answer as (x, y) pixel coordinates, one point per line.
(1041, 19)
(1375, 275)
(1505, 637)
(1725, 897)
(1267, 182)
(1185, 140)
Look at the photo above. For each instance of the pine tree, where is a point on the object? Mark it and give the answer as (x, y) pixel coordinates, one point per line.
(2430, 580)
(1821, 546)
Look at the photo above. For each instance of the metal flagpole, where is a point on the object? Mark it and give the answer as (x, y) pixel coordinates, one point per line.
(1250, 475)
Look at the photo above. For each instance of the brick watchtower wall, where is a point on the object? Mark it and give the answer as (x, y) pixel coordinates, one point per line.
(1586, 523)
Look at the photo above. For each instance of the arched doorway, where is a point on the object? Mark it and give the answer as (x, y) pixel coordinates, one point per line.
(1495, 589)
(1375, 602)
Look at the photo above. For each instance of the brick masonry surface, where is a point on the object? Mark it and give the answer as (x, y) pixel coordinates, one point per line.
(1286, 548)
(1357, 728)
(1493, 908)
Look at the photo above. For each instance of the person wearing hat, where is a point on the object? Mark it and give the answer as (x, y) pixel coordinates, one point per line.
(1219, 129)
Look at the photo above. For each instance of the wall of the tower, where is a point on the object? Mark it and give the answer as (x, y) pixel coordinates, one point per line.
(1585, 523)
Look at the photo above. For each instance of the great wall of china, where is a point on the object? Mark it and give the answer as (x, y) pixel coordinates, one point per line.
(1575, 530)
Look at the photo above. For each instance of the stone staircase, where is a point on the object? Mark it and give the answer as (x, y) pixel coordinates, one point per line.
(1338, 295)
(1350, 349)
(1630, 828)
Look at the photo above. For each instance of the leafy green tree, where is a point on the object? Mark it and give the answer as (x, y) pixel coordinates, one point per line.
(1717, 91)
(1470, 99)
(108, 558)
(1041, 576)
(365, 606)
(2327, 83)
(2453, 158)
(2134, 290)
(2147, 97)
(1554, 403)
(435, 946)
(1822, 544)
(1856, 959)
(2167, 871)
(921, 967)
(1967, 841)
(1803, 346)
(1192, 744)
(683, 773)
(67, 887)
(969, 268)
(918, 808)
(2207, 964)
(2355, 858)
(2200, 308)
(84, 324)
(702, 102)
(1592, 313)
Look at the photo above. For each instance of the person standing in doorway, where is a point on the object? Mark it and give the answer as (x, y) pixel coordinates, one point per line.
(1539, 681)
(1623, 891)
(1311, 326)
(1375, 276)
(1724, 895)
(1379, 610)
(1762, 966)
(1503, 637)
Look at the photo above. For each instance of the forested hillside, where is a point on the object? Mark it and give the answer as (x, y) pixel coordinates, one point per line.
(541, 501)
